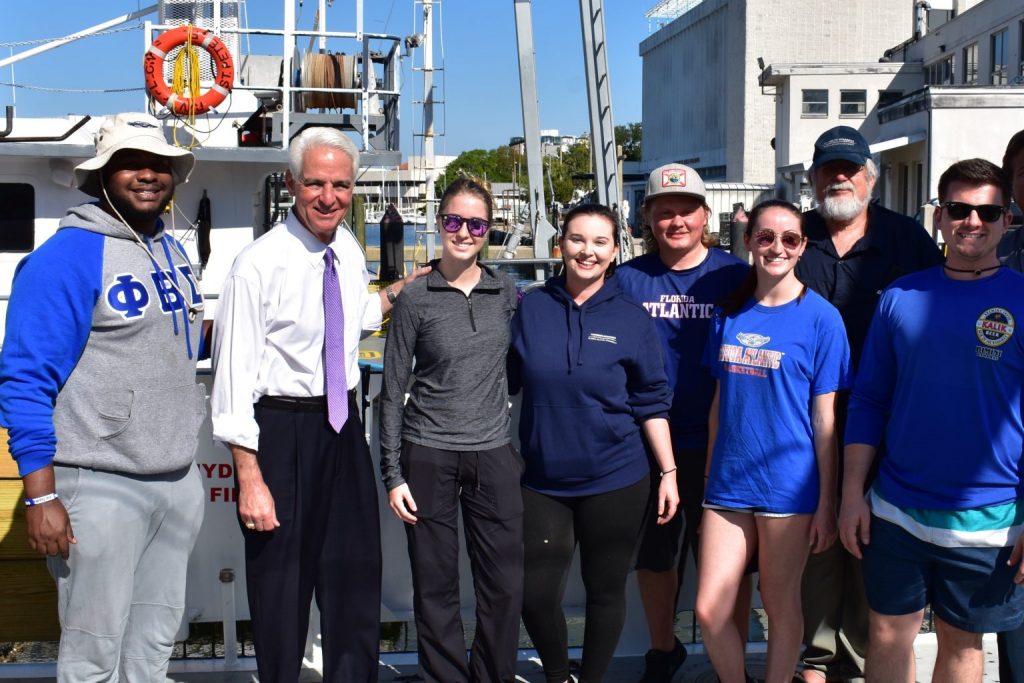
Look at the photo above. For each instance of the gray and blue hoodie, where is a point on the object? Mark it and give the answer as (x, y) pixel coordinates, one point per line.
(97, 368)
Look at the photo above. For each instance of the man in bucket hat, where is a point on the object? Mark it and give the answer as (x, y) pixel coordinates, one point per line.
(98, 392)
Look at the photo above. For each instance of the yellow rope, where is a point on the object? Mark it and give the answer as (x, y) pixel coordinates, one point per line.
(187, 69)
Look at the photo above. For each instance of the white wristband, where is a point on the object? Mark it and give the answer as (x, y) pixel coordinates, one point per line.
(41, 499)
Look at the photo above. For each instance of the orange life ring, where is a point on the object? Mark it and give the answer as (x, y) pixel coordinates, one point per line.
(153, 67)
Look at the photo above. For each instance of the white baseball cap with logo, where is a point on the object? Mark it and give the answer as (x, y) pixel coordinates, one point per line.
(131, 131)
(675, 179)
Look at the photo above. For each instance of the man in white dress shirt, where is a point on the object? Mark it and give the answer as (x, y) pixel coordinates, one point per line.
(286, 337)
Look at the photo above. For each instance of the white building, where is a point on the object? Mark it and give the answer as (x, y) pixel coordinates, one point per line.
(970, 103)
(702, 104)
(954, 92)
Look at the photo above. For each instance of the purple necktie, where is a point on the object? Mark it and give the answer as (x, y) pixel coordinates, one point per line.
(335, 385)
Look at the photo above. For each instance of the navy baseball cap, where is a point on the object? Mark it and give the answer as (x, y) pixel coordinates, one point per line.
(841, 142)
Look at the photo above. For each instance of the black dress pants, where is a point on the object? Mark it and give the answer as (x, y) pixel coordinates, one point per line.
(328, 545)
(486, 486)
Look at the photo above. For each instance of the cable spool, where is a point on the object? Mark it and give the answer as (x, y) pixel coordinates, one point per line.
(327, 71)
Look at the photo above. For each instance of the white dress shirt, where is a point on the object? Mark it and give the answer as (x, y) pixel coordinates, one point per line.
(268, 336)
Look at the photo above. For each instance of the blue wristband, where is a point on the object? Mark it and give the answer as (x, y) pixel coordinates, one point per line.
(41, 499)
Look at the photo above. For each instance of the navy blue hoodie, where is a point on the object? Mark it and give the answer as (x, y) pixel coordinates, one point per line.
(590, 375)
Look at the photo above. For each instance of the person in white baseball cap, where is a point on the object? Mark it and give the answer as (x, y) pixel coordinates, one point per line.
(678, 280)
(98, 392)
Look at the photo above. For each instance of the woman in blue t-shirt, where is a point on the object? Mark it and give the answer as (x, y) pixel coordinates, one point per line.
(779, 353)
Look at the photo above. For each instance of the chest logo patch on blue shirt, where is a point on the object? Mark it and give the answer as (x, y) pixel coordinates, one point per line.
(594, 336)
(752, 339)
(994, 327)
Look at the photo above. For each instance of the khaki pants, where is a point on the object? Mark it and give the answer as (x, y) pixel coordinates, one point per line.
(835, 615)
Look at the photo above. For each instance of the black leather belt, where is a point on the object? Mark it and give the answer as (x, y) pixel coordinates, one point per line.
(298, 404)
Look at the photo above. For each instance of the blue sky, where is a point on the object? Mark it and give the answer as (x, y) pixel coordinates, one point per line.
(481, 82)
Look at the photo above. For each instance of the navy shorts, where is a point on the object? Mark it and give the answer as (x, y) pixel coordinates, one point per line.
(970, 589)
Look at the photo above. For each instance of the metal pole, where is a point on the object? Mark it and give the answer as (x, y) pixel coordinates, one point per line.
(322, 23)
(543, 231)
(227, 610)
(288, 52)
(428, 121)
(599, 101)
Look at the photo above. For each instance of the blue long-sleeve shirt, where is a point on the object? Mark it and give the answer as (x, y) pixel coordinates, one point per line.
(942, 378)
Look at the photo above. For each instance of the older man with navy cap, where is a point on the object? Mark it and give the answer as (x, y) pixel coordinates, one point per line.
(99, 394)
(855, 248)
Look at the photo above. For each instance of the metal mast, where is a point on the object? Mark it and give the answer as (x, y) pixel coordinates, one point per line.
(599, 98)
(428, 122)
(543, 231)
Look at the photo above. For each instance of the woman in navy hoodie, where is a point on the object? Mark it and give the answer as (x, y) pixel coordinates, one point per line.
(588, 360)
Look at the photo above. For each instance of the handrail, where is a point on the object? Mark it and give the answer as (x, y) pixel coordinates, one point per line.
(76, 36)
(45, 138)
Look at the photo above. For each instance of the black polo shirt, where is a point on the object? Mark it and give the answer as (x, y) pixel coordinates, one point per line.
(893, 246)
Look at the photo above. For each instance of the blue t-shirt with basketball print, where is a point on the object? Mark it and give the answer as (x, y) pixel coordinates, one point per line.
(770, 362)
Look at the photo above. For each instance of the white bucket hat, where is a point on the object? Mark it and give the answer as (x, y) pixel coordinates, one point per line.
(131, 131)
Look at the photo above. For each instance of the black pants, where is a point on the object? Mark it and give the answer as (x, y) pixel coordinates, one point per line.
(328, 544)
(607, 527)
(486, 483)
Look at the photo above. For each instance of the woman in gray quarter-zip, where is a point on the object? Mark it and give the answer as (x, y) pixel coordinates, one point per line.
(449, 446)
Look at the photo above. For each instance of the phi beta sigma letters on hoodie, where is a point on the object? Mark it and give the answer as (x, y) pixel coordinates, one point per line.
(590, 375)
(98, 363)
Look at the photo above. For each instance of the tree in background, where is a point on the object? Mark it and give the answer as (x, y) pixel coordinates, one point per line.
(630, 138)
(505, 164)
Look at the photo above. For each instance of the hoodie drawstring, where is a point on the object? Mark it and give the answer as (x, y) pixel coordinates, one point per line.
(174, 280)
(181, 294)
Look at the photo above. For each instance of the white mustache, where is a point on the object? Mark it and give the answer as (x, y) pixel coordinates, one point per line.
(841, 186)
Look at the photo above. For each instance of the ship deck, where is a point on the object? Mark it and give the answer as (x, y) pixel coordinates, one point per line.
(402, 667)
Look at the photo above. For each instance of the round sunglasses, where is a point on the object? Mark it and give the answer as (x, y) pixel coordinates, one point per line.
(452, 222)
(766, 238)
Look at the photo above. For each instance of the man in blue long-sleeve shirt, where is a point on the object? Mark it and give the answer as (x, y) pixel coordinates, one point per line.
(941, 378)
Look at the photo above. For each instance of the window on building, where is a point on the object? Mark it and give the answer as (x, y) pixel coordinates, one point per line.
(940, 72)
(17, 217)
(969, 76)
(1020, 50)
(887, 97)
(999, 57)
(853, 103)
(815, 103)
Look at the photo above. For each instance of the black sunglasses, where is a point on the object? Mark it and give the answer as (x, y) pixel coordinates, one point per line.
(989, 213)
(452, 222)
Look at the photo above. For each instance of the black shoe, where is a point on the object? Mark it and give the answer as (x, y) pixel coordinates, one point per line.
(659, 666)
